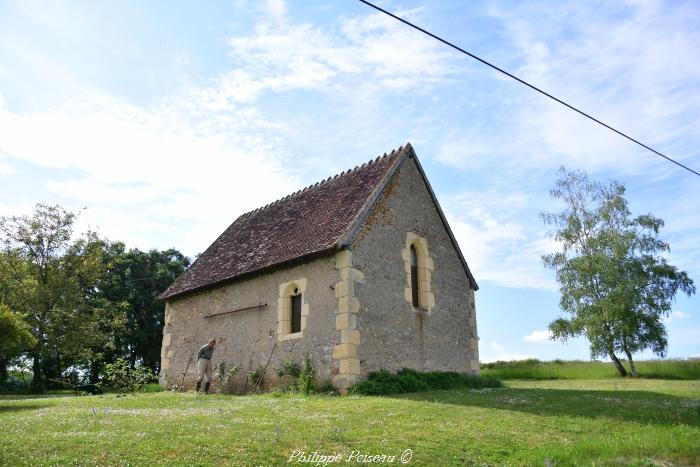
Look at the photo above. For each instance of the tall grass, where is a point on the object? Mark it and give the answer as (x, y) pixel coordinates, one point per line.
(578, 369)
(153, 387)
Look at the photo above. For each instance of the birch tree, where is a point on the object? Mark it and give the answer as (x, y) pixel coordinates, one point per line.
(615, 280)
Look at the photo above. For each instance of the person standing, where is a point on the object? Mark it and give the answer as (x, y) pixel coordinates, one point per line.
(204, 365)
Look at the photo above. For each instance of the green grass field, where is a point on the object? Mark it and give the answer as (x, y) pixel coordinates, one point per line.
(562, 422)
(573, 369)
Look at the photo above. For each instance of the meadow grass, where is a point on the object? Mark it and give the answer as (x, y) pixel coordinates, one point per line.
(577, 369)
(562, 422)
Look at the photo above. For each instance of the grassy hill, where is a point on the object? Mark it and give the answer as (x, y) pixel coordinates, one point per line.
(567, 422)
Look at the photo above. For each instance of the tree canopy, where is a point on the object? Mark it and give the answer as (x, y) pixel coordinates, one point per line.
(134, 279)
(616, 283)
(15, 338)
(87, 301)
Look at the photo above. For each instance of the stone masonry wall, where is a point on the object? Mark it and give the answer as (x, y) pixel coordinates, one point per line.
(393, 334)
(255, 331)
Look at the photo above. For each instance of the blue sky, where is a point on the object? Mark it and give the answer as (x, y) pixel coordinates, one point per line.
(166, 120)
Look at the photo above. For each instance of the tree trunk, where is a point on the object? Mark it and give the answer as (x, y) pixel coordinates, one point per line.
(3, 369)
(36, 368)
(618, 364)
(94, 371)
(632, 367)
(132, 359)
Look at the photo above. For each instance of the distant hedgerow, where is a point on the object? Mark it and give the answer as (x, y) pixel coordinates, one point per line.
(383, 382)
(577, 369)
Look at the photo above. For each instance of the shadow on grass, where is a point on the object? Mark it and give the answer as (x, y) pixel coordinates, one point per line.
(630, 406)
(18, 408)
(652, 375)
(30, 396)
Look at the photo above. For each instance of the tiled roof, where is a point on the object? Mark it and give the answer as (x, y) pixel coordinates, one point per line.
(310, 221)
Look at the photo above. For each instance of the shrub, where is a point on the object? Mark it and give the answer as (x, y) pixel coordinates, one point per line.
(307, 376)
(326, 387)
(289, 367)
(383, 382)
(225, 375)
(304, 378)
(119, 375)
(256, 376)
(13, 384)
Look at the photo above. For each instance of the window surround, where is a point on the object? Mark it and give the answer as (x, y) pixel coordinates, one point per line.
(284, 309)
(425, 268)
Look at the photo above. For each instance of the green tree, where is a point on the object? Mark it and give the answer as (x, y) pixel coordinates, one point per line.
(15, 338)
(615, 282)
(50, 278)
(134, 279)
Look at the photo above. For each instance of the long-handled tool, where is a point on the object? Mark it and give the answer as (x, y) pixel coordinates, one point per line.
(184, 373)
(260, 378)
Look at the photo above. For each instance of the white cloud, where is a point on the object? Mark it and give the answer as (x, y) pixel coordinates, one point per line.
(499, 247)
(630, 65)
(6, 169)
(160, 166)
(680, 314)
(538, 336)
(275, 8)
(470, 151)
(675, 315)
(304, 56)
(186, 165)
(634, 72)
(495, 352)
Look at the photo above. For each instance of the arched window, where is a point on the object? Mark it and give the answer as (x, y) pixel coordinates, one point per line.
(419, 267)
(292, 309)
(414, 277)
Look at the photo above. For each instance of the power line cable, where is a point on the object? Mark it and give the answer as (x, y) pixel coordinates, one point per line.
(428, 33)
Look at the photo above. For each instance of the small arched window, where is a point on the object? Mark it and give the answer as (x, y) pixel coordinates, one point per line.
(292, 309)
(419, 267)
(414, 277)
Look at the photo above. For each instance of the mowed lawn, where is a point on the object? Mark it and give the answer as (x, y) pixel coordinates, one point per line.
(562, 422)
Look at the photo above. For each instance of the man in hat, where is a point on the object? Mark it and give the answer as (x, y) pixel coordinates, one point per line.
(204, 365)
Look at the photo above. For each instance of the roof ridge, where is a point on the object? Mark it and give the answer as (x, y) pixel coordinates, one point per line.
(323, 181)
